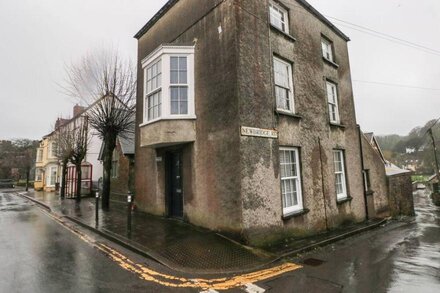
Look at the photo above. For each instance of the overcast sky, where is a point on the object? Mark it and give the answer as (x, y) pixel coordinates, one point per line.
(38, 37)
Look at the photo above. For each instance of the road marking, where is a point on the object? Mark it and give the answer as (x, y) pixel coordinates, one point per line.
(209, 291)
(150, 275)
(252, 288)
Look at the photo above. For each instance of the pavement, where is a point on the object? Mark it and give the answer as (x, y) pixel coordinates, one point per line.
(181, 246)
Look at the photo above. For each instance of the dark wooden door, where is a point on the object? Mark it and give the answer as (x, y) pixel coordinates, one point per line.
(175, 184)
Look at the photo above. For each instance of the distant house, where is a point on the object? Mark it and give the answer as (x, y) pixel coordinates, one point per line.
(48, 169)
(389, 188)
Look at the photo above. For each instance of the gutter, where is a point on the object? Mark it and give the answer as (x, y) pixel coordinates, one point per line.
(362, 171)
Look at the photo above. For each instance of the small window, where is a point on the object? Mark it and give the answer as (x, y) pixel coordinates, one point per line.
(39, 155)
(367, 181)
(279, 17)
(340, 179)
(52, 150)
(283, 85)
(115, 164)
(153, 100)
(332, 96)
(38, 175)
(327, 49)
(179, 85)
(290, 180)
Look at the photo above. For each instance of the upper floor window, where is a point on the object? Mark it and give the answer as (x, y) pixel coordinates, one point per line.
(283, 85)
(333, 107)
(39, 155)
(153, 101)
(179, 85)
(290, 180)
(169, 83)
(52, 150)
(279, 17)
(340, 178)
(327, 49)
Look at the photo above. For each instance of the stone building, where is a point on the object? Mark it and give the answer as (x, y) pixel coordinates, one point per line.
(122, 172)
(246, 121)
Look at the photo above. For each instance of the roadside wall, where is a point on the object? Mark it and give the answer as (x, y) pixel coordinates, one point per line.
(401, 195)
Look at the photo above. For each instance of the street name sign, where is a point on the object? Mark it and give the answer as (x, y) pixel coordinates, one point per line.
(259, 132)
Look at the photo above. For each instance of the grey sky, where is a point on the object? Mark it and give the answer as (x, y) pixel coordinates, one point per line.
(38, 37)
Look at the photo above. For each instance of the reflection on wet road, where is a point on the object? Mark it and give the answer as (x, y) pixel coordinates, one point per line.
(417, 265)
(403, 256)
(39, 255)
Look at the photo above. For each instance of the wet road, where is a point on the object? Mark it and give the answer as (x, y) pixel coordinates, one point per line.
(39, 255)
(401, 257)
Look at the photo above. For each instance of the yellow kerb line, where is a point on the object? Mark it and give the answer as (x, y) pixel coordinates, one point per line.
(147, 274)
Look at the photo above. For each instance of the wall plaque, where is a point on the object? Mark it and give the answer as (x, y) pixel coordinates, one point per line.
(259, 132)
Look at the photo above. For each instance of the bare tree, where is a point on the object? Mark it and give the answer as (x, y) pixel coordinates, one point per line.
(80, 141)
(65, 141)
(107, 85)
(25, 156)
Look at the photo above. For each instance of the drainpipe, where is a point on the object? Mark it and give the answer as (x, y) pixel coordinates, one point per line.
(323, 183)
(362, 172)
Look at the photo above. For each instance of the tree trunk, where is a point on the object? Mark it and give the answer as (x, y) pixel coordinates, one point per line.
(110, 143)
(28, 171)
(63, 179)
(78, 182)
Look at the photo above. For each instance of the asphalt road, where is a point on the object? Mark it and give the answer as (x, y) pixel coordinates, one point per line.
(401, 257)
(38, 254)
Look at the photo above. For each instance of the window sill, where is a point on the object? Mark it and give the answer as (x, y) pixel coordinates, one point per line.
(290, 114)
(344, 200)
(284, 34)
(189, 117)
(330, 62)
(337, 125)
(295, 214)
(369, 192)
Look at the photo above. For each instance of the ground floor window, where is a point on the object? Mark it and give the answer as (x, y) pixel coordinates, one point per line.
(290, 180)
(340, 178)
(52, 176)
(38, 175)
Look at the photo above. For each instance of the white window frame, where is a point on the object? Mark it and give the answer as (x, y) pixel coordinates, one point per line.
(332, 101)
(52, 150)
(342, 195)
(327, 49)
(274, 9)
(39, 155)
(290, 90)
(296, 180)
(49, 176)
(39, 175)
(164, 53)
(154, 92)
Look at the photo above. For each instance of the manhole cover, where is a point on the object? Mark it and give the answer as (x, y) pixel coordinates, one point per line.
(314, 262)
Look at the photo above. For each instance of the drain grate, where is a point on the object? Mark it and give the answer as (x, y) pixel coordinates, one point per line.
(314, 262)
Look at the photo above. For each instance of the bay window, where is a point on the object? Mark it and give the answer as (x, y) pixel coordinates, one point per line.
(169, 84)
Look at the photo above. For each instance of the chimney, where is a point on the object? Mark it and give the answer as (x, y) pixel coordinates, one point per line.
(77, 109)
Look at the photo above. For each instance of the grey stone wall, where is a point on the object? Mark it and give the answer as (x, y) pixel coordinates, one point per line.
(401, 195)
(379, 186)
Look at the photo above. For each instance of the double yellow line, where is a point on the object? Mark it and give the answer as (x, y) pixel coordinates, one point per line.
(150, 275)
